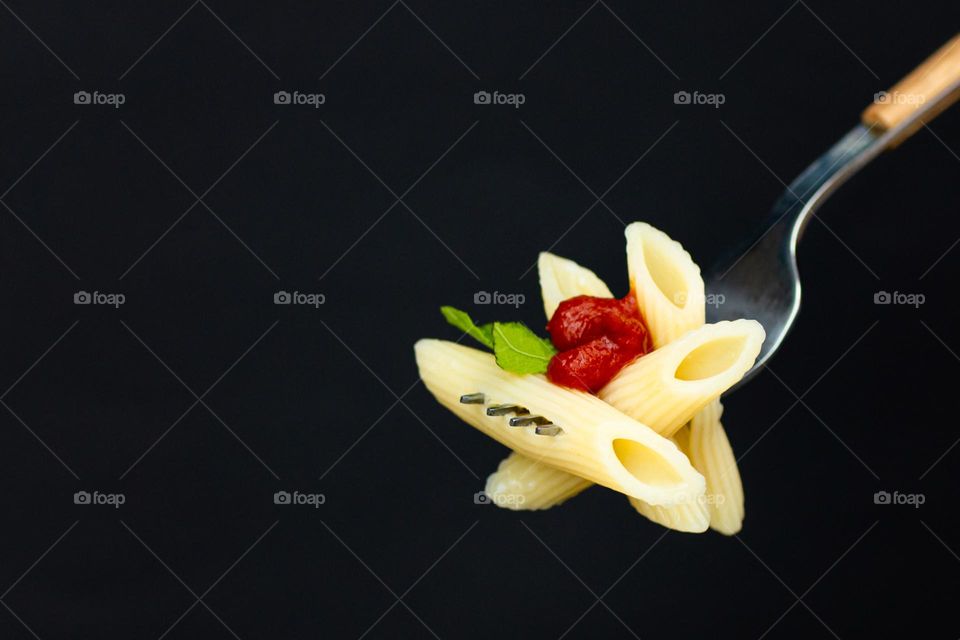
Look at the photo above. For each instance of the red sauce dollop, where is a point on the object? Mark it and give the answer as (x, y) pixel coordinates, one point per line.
(596, 338)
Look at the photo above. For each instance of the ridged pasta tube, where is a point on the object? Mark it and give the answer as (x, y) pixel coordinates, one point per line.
(598, 442)
(711, 455)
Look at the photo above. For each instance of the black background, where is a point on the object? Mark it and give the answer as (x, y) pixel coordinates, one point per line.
(310, 204)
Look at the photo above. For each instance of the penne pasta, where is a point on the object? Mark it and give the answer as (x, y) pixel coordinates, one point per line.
(649, 391)
(666, 281)
(652, 431)
(666, 387)
(598, 442)
(711, 454)
(663, 390)
(522, 483)
(561, 279)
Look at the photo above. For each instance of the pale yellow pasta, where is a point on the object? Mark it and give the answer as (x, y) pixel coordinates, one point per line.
(667, 283)
(663, 390)
(521, 483)
(649, 389)
(561, 279)
(692, 516)
(669, 385)
(711, 454)
(598, 442)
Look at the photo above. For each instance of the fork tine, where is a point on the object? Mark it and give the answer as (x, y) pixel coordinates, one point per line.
(504, 409)
(548, 430)
(528, 420)
(473, 398)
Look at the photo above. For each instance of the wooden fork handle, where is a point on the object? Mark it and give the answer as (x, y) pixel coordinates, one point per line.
(933, 86)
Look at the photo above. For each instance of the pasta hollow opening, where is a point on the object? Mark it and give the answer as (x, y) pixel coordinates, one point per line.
(646, 465)
(711, 358)
(665, 274)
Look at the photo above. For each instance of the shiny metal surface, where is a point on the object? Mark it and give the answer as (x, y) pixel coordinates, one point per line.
(760, 280)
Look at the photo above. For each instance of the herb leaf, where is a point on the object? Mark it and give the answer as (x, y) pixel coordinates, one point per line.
(520, 350)
(461, 320)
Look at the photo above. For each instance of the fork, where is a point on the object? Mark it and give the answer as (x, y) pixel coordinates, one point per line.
(761, 280)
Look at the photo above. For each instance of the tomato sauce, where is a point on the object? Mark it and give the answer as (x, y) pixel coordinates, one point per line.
(596, 338)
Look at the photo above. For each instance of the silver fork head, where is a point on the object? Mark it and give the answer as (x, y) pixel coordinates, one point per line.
(760, 280)
(522, 417)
